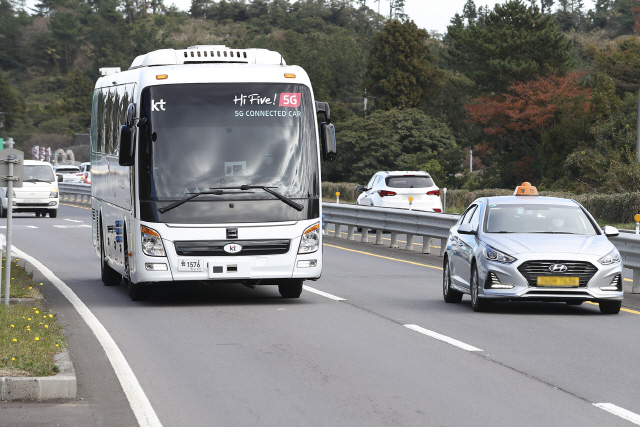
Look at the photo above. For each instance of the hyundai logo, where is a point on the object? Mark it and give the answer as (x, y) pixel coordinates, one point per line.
(555, 268)
(234, 248)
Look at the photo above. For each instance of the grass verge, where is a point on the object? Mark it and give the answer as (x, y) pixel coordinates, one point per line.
(29, 334)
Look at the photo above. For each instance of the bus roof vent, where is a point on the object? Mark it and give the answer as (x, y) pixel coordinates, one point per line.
(208, 54)
(105, 71)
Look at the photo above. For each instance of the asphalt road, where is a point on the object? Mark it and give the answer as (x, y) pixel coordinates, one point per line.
(227, 355)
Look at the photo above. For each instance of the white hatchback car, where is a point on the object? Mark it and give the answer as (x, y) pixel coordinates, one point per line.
(401, 189)
(39, 192)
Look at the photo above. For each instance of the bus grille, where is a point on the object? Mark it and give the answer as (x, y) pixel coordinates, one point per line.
(216, 248)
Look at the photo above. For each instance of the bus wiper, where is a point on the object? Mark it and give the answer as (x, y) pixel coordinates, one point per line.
(186, 199)
(269, 190)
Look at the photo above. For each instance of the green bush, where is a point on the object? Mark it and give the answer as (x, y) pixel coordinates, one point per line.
(347, 191)
(613, 208)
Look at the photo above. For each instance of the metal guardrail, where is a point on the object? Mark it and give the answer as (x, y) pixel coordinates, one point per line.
(395, 221)
(75, 192)
(628, 244)
(436, 225)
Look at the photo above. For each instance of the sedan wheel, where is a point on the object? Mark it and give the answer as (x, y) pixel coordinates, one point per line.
(478, 304)
(610, 307)
(450, 295)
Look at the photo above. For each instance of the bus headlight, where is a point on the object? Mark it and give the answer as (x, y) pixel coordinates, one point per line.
(310, 241)
(151, 242)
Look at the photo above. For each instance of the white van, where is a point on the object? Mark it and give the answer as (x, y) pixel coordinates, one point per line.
(39, 192)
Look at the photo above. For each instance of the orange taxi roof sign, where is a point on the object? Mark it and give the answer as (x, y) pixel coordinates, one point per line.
(526, 189)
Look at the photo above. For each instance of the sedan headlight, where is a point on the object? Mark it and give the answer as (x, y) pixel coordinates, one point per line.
(151, 242)
(310, 241)
(495, 255)
(612, 257)
(53, 194)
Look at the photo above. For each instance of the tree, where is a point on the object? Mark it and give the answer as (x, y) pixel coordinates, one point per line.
(533, 127)
(513, 42)
(401, 70)
(396, 139)
(470, 11)
(11, 102)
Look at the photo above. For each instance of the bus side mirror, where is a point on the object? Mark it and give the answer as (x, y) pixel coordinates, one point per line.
(328, 140)
(127, 138)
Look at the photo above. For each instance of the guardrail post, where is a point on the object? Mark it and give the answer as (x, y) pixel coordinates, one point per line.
(426, 244)
(365, 235)
(338, 231)
(350, 235)
(394, 240)
(409, 242)
(443, 246)
(378, 237)
(325, 227)
(635, 289)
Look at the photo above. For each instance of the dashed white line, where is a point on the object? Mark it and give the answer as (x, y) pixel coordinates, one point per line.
(72, 220)
(138, 400)
(324, 294)
(443, 338)
(73, 226)
(621, 412)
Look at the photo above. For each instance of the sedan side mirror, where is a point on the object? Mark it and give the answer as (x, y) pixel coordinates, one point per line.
(466, 228)
(610, 231)
(360, 188)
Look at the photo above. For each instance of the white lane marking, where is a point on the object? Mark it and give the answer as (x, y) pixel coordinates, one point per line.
(444, 338)
(19, 226)
(72, 220)
(621, 412)
(324, 294)
(138, 400)
(73, 226)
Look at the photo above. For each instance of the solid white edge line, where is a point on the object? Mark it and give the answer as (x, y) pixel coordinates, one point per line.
(443, 338)
(140, 405)
(324, 294)
(621, 412)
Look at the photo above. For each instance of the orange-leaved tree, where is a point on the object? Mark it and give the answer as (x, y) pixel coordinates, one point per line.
(532, 127)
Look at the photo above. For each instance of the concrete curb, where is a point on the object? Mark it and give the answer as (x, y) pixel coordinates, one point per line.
(60, 386)
(63, 385)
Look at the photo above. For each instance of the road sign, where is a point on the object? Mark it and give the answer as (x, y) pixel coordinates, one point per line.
(18, 167)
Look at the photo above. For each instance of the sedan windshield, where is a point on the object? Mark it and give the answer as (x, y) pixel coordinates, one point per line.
(35, 173)
(545, 219)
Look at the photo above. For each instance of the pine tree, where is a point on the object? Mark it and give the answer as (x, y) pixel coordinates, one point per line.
(514, 42)
(470, 11)
(401, 71)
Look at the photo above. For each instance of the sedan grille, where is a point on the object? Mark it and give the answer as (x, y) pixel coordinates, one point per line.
(532, 269)
(216, 248)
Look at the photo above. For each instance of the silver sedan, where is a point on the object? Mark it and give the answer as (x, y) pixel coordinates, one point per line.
(531, 248)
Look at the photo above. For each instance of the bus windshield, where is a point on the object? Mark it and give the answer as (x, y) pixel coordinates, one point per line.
(202, 136)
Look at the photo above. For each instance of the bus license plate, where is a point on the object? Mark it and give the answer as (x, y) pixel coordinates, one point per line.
(191, 265)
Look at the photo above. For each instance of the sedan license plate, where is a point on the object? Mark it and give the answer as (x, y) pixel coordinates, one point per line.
(191, 265)
(415, 196)
(560, 281)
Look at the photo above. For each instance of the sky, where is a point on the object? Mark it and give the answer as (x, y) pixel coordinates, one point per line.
(432, 15)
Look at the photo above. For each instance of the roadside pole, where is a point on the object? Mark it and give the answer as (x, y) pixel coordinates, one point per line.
(11, 168)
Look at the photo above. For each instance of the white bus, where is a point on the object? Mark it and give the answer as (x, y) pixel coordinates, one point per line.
(206, 167)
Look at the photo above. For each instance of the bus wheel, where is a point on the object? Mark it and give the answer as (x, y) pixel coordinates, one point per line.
(137, 291)
(110, 277)
(290, 289)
